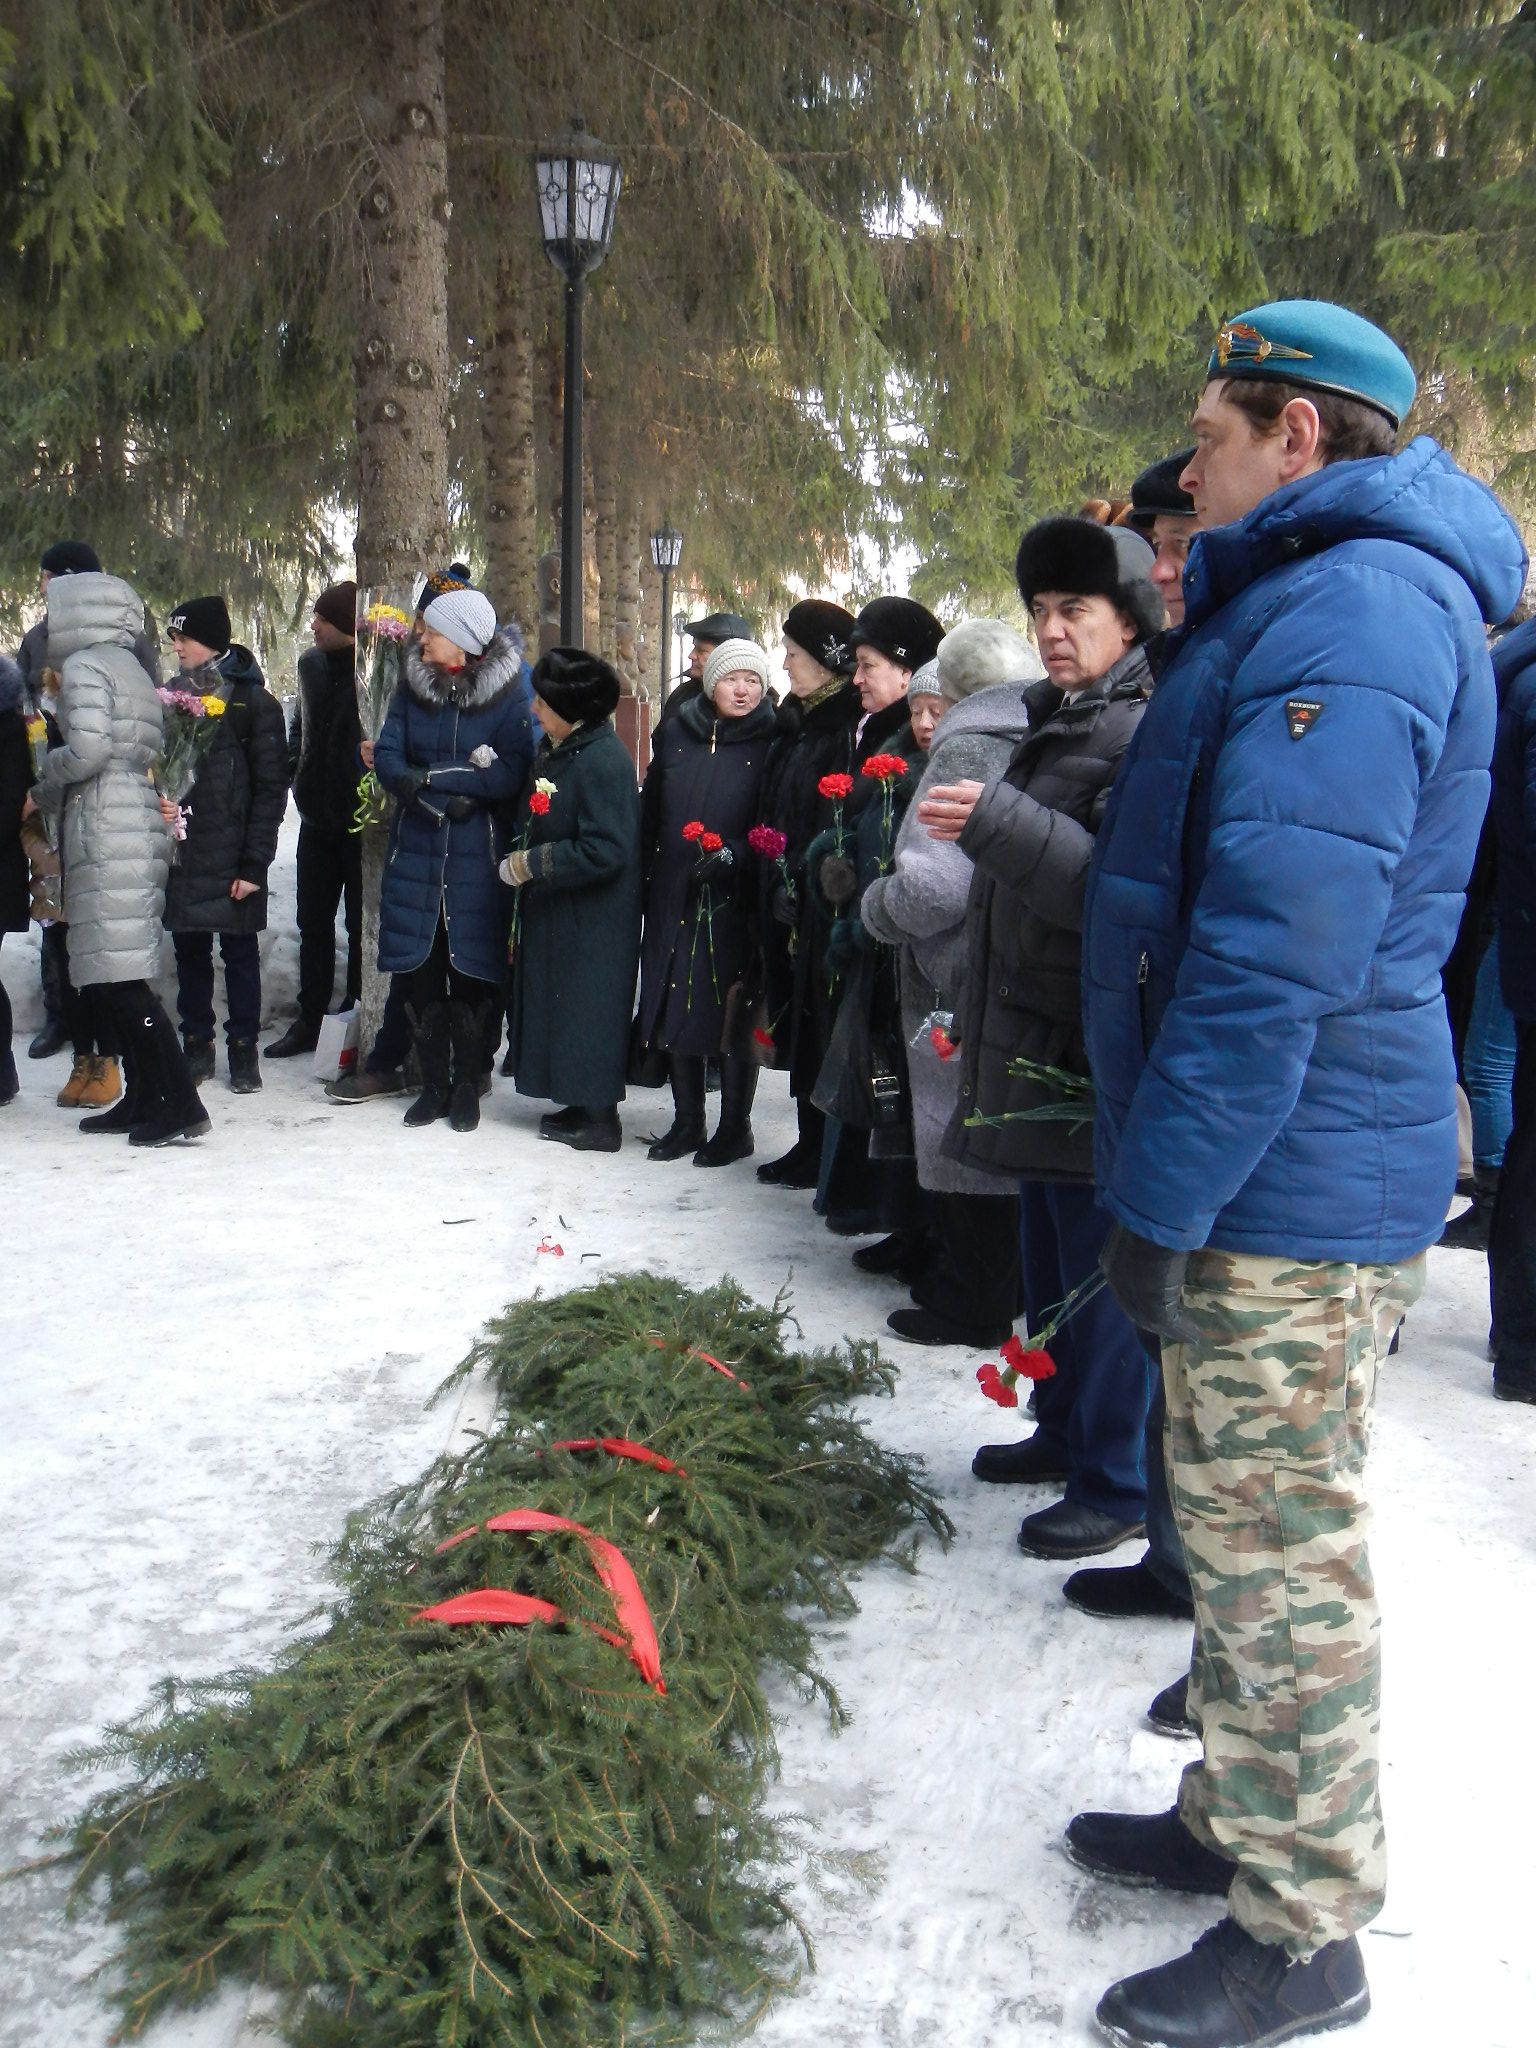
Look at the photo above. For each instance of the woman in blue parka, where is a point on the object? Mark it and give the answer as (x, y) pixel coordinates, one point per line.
(456, 744)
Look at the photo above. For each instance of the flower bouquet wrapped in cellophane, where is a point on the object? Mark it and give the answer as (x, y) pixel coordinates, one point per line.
(384, 623)
(191, 725)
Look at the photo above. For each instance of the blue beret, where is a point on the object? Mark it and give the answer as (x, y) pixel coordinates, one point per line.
(1310, 341)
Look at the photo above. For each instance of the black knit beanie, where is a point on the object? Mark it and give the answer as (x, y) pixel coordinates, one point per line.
(70, 558)
(205, 620)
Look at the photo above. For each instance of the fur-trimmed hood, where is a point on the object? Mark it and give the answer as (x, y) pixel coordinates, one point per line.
(483, 680)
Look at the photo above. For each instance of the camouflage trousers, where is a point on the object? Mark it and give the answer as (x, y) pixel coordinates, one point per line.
(1269, 1418)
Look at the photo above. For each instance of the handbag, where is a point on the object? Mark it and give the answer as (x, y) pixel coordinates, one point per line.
(863, 1080)
(645, 1066)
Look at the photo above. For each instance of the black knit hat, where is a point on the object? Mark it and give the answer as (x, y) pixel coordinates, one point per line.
(825, 631)
(205, 620)
(1089, 560)
(899, 628)
(578, 687)
(70, 558)
(1156, 493)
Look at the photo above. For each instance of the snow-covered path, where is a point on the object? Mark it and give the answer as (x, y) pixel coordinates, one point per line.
(212, 1353)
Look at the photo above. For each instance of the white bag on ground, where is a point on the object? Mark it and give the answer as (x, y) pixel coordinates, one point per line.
(336, 1050)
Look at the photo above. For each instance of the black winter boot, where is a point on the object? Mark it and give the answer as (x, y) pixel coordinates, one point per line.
(1468, 1232)
(1231, 1991)
(598, 1130)
(199, 1056)
(738, 1090)
(800, 1166)
(466, 1033)
(54, 966)
(433, 1050)
(1124, 1592)
(1169, 1713)
(1148, 1849)
(244, 1067)
(688, 1130)
(172, 1108)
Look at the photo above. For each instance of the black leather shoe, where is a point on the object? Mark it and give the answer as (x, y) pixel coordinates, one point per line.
(298, 1038)
(559, 1120)
(800, 1167)
(1030, 1463)
(1067, 1530)
(1148, 1849)
(677, 1142)
(1124, 1592)
(244, 1067)
(902, 1253)
(51, 1039)
(1231, 1991)
(1515, 1386)
(168, 1125)
(1169, 1713)
(922, 1326)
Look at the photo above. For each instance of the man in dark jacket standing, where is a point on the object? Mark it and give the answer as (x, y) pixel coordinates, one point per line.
(323, 766)
(1274, 888)
(1512, 1239)
(234, 810)
(706, 634)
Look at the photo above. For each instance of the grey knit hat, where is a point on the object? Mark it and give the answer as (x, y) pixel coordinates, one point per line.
(734, 654)
(466, 617)
(979, 654)
(925, 680)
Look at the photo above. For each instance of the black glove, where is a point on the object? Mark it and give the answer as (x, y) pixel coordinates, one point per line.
(458, 808)
(710, 871)
(1148, 1282)
(410, 784)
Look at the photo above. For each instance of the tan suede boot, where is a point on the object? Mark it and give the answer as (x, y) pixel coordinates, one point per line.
(70, 1095)
(103, 1087)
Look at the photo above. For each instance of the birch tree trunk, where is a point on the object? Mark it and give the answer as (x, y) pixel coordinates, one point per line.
(510, 512)
(606, 507)
(401, 358)
(627, 613)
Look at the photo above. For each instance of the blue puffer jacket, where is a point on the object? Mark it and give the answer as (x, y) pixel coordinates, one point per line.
(1278, 877)
(439, 865)
(1514, 816)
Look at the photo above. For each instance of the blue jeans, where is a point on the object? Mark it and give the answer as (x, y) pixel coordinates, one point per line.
(241, 953)
(1094, 1408)
(1488, 1063)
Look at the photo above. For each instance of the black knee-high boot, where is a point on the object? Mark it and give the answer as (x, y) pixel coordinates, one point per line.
(733, 1139)
(433, 1050)
(687, 1133)
(468, 1032)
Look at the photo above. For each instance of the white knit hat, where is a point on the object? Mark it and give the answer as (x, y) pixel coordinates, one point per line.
(979, 654)
(466, 617)
(733, 654)
(925, 681)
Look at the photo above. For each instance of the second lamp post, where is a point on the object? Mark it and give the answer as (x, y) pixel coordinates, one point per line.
(666, 553)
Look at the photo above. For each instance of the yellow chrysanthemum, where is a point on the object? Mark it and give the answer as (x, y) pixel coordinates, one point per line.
(214, 707)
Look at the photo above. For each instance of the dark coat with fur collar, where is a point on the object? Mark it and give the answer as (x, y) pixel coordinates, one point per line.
(440, 866)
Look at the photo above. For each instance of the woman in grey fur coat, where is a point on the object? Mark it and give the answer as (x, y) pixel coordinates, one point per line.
(969, 1287)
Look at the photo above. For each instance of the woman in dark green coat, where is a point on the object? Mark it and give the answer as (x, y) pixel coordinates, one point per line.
(576, 934)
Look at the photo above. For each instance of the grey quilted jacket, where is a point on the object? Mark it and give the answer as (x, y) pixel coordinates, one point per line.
(114, 843)
(920, 907)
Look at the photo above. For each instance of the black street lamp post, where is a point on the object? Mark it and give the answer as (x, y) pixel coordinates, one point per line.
(579, 184)
(666, 553)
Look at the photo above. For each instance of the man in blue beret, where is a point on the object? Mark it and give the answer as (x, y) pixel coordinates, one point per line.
(1276, 884)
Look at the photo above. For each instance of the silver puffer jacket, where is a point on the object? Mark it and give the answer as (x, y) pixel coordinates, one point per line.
(115, 845)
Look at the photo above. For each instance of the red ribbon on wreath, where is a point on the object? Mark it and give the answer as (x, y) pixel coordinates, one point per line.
(499, 1604)
(620, 1447)
(693, 1351)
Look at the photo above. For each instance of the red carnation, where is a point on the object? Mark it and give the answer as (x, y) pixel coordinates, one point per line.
(711, 841)
(762, 1037)
(768, 841)
(538, 803)
(836, 786)
(995, 1387)
(1029, 1365)
(881, 767)
(942, 1043)
(694, 829)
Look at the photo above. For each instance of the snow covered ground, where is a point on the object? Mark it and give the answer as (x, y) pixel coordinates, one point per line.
(212, 1353)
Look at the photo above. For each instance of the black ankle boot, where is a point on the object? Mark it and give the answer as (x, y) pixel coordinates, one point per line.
(171, 1108)
(687, 1133)
(598, 1131)
(733, 1139)
(434, 1053)
(1231, 1991)
(244, 1067)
